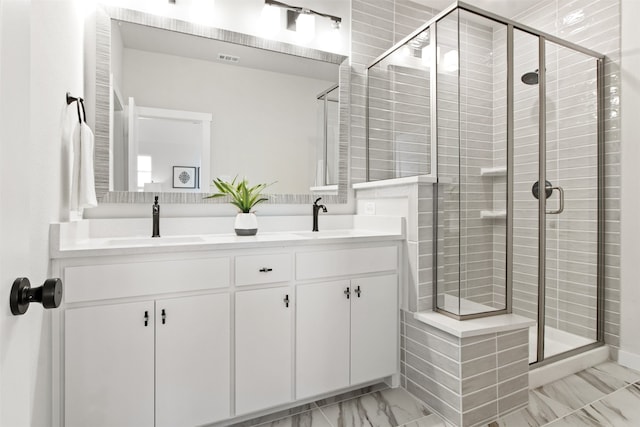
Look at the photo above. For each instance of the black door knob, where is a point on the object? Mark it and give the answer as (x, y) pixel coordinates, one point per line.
(22, 294)
(547, 189)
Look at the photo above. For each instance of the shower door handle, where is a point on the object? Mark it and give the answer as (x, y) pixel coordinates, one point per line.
(561, 207)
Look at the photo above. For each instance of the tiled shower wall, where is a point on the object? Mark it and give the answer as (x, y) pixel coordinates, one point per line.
(571, 163)
(377, 25)
(466, 145)
(399, 145)
(469, 381)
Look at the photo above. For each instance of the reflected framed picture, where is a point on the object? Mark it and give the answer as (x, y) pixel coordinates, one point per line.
(184, 177)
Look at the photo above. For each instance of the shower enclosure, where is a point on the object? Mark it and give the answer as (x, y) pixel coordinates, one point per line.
(492, 108)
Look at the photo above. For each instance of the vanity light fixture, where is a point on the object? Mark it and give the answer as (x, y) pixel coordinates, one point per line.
(294, 12)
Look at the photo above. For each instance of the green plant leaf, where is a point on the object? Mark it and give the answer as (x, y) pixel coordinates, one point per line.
(241, 195)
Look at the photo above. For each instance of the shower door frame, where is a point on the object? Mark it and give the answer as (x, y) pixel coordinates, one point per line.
(542, 39)
(541, 360)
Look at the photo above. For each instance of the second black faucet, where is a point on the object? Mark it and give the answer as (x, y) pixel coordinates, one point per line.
(316, 210)
(155, 213)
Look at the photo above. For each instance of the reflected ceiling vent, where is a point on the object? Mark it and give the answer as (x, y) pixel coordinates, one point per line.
(228, 58)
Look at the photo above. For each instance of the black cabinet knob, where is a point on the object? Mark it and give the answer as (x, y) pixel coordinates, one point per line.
(22, 294)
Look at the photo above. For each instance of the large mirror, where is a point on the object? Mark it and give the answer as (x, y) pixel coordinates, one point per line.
(188, 103)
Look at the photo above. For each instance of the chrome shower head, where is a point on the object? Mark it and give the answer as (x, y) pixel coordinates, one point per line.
(530, 78)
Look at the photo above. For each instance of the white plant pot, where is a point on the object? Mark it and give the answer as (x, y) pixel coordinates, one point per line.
(246, 224)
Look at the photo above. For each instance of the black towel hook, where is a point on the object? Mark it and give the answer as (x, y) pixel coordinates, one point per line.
(84, 113)
(71, 98)
(79, 101)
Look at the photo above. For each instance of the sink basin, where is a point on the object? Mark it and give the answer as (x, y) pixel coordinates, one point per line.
(169, 240)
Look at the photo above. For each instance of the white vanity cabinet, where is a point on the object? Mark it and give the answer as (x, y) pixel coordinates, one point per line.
(109, 365)
(322, 338)
(263, 356)
(119, 358)
(343, 339)
(192, 360)
(346, 330)
(374, 327)
(220, 335)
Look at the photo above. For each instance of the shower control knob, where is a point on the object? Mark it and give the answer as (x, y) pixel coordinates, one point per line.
(22, 294)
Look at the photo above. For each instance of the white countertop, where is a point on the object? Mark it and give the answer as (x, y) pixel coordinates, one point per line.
(474, 327)
(89, 238)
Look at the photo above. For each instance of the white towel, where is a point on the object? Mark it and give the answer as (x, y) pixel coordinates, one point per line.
(83, 190)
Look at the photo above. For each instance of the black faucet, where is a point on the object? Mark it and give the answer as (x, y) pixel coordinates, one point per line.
(316, 210)
(155, 211)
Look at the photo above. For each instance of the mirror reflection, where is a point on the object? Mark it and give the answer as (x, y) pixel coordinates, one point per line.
(187, 109)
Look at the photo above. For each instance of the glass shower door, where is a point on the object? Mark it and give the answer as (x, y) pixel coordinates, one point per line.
(571, 235)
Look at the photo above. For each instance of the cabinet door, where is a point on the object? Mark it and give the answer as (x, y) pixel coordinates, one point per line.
(192, 360)
(374, 328)
(109, 366)
(322, 338)
(263, 349)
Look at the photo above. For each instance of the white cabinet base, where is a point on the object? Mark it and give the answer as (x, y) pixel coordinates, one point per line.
(106, 388)
(192, 360)
(322, 338)
(263, 349)
(374, 328)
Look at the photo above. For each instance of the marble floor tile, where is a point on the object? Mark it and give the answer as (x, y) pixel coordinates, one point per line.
(351, 394)
(578, 390)
(275, 416)
(540, 411)
(619, 409)
(627, 375)
(432, 420)
(385, 408)
(313, 418)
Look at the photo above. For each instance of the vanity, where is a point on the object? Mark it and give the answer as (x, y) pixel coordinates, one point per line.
(207, 328)
(200, 326)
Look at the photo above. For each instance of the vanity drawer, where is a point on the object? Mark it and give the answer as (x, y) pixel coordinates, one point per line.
(96, 282)
(260, 269)
(343, 262)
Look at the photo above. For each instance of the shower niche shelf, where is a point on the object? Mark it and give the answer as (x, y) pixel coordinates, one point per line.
(493, 214)
(497, 171)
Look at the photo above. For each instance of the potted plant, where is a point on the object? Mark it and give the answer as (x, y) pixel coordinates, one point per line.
(244, 198)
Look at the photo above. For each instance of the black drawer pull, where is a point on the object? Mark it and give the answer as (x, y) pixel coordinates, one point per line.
(266, 269)
(286, 300)
(146, 318)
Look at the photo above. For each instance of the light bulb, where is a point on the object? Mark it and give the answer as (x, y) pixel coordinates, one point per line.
(426, 56)
(269, 21)
(305, 28)
(450, 61)
(202, 11)
(330, 40)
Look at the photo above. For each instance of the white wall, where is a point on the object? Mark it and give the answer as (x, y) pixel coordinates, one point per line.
(630, 235)
(41, 51)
